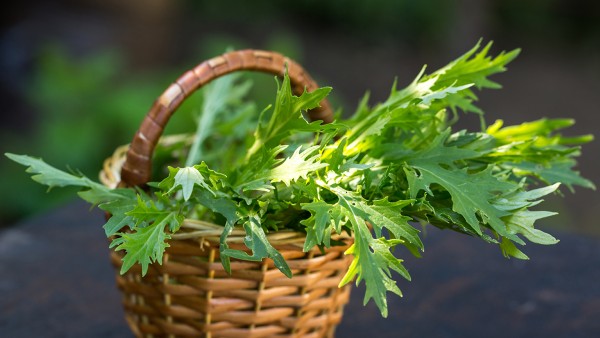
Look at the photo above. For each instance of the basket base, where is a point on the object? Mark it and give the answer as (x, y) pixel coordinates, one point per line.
(191, 295)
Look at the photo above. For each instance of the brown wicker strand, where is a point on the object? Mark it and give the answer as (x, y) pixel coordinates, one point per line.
(166, 295)
(303, 291)
(261, 287)
(209, 293)
(335, 310)
(142, 302)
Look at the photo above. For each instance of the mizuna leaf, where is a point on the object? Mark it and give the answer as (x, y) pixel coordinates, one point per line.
(527, 130)
(146, 212)
(48, 175)
(256, 174)
(385, 214)
(557, 172)
(440, 94)
(296, 166)
(359, 135)
(520, 199)
(439, 153)
(372, 259)
(536, 149)
(147, 244)
(268, 170)
(382, 249)
(256, 240)
(119, 218)
(187, 178)
(367, 266)
(475, 66)
(510, 250)
(471, 193)
(521, 222)
(286, 116)
(326, 219)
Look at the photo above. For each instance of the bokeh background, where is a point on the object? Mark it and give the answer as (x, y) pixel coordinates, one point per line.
(76, 77)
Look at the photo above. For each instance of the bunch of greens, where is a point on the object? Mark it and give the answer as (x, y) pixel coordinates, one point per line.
(375, 175)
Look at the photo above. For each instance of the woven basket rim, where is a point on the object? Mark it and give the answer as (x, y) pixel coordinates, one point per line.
(110, 176)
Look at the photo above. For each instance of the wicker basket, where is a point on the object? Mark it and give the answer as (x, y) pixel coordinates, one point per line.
(190, 294)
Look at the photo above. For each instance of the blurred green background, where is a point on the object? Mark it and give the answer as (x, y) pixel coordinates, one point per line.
(77, 77)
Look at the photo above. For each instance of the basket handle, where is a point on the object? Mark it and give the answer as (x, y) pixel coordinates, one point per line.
(137, 169)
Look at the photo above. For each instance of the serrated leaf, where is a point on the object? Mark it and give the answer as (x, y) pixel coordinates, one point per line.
(119, 218)
(438, 152)
(475, 66)
(440, 94)
(145, 245)
(520, 199)
(286, 116)
(385, 214)
(97, 196)
(188, 178)
(522, 222)
(471, 193)
(326, 219)
(359, 135)
(366, 265)
(255, 175)
(510, 250)
(296, 166)
(261, 175)
(557, 172)
(48, 175)
(536, 149)
(256, 240)
(381, 248)
(372, 259)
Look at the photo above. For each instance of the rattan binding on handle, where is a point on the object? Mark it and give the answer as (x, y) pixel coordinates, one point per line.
(138, 165)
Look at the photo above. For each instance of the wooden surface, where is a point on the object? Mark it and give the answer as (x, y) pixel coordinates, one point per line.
(56, 281)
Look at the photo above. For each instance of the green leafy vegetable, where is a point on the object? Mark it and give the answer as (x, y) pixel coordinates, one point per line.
(148, 243)
(374, 175)
(286, 117)
(256, 240)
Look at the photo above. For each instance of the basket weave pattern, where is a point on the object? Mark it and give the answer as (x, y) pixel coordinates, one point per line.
(190, 294)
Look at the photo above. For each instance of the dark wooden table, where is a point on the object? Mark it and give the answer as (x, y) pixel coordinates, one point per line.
(56, 281)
